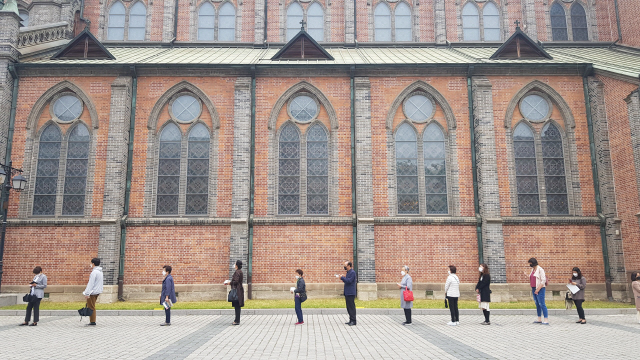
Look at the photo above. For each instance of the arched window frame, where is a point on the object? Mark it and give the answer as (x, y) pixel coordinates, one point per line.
(478, 19)
(391, 7)
(480, 9)
(127, 22)
(483, 25)
(295, 28)
(208, 5)
(571, 20)
(217, 14)
(567, 8)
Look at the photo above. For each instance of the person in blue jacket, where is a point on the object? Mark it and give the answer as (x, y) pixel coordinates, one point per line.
(168, 296)
(349, 281)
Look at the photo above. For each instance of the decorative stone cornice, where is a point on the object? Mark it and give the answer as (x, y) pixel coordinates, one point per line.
(36, 35)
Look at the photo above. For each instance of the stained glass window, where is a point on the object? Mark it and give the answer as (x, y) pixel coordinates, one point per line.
(315, 22)
(403, 22)
(75, 179)
(198, 170)
(317, 171)
(554, 174)
(206, 22)
(382, 22)
(534, 107)
(137, 21)
(303, 108)
(44, 200)
(169, 170)
(579, 23)
(418, 108)
(115, 30)
(407, 170)
(470, 23)
(294, 16)
(186, 108)
(558, 23)
(435, 170)
(289, 171)
(526, 171)
(67, 108)
(491, 22)
(227, 23)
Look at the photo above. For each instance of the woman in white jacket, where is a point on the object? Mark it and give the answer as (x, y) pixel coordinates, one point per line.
(452, 291)
(538, 282)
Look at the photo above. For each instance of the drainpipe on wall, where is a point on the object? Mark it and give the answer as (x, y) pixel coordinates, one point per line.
(127, 192)
(474, 168)
(354, 202)
(618, 21)
(596, 184)
(355, 28)
(264, 41)
(251, 180)
(87, 22)
(175, 23)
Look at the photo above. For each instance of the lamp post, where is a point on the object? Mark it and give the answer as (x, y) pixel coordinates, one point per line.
(10, 178)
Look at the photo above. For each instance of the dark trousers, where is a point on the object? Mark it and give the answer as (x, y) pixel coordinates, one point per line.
(351, 307)
(35, 305)
(579, 308)
(167, 315)
(407, 315)
(453, 308)
(237, 309)
(298, 309)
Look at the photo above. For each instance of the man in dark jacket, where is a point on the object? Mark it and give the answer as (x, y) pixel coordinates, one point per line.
(349, 281)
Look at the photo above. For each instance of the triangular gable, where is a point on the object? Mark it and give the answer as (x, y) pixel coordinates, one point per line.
(302, 47)
(84, 46)
(520, 46)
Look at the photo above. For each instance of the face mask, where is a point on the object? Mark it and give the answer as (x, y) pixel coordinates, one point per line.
(91, 266)
(403, 273)
(449, 272)
(480, 269)
(531, 265)
(575, 274)
(297, 277)
(164, 273)
(345, 268)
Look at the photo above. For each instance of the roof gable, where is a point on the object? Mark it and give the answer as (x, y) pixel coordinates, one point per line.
(84, 46)
(520, 46)
(302, 47)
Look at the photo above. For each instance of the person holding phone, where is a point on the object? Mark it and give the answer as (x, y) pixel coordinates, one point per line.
(236, 283)
(452, 292)
(405, 284)
(538, 282)
(484, 290)
(578, 298)
(350, 291)
(300, 295)
(38, 284)
(168, 295)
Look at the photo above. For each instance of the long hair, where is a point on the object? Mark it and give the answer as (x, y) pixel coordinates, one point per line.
(485, 270)
(576, 269)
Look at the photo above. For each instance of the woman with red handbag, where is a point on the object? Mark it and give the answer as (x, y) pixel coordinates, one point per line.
(406, 294)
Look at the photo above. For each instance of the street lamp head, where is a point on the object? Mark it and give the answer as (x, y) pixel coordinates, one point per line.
(19, 182)
(3, 175)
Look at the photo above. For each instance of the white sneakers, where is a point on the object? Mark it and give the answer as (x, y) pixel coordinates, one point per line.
(451, 323)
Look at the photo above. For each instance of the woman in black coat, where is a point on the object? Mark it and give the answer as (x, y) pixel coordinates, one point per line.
(236, 283)
(482, 288)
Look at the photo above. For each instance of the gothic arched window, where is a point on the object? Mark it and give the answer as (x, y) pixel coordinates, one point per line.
(44, 199)
(227, 23)
(137, 21)
(75, 179)
(526, 170)
(317, 170)
(115, 30)
(206, 22)
(558, 23)
(435, 170)
(554, 174)
(407, 170)
(491, 22)
(579, 23)
(470, 23)
(403, 22)
(169, 170)
(197, 170)
(289, 171)
(294, 17)
(382, 22)
(315, 22)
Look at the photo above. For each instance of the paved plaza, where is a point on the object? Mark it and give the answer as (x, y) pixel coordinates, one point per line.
(321, 337)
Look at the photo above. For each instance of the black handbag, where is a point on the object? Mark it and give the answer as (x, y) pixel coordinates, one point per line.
(85, 311)
(28, 297)
(446, 303)
(233, 295)
(303, 296)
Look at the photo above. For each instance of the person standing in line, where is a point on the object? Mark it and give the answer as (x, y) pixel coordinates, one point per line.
(350, 292)
(94, 288)
(300, 295)
(168, 295)
(484, 290)
(635, 285)
(538, 280)
(38, 284)
(578, 298)
(452, 292)
(406, 284)
(236, 283)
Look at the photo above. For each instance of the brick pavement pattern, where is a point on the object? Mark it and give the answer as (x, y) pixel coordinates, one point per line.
(321, 337)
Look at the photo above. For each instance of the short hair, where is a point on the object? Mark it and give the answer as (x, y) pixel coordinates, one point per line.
(452, 268)
(95, 261)
(37, 270)
(349, 264)
(634, 276)
(167, 268)
(299, 271)
(406, 268)
(533, 261)
(239, 264)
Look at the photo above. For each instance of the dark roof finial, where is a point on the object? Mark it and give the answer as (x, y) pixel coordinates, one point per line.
(302, 24)
(517, 22)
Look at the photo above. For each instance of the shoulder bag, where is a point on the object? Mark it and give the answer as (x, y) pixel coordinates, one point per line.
(407, 294)
(233, 295)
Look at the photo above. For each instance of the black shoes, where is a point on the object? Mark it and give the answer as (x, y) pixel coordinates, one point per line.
(406, 323)
(351, 323)
(34, 324)
(24, 324)
(91, 324)
(165, 324)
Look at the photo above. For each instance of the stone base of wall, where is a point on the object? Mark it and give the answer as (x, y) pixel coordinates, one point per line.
(65, 293)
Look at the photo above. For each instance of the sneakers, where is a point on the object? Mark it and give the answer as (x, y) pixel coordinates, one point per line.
(165, 324)
(406, 323)
(451, 323)
(485, 323)
(300, 323)
(457, 322)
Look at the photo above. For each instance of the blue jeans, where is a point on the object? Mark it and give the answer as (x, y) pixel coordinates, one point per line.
(298, 308)
(541, 307)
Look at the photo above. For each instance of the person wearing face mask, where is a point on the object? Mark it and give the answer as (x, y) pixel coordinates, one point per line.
(350, 292)
(94, 288)
(635, 285)
(38, 284)
(452, 292)
(538, 282)
(483, 289)
(406, 284)
(300, 295)
(578, 298)
(236, 283)
(168, 295)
